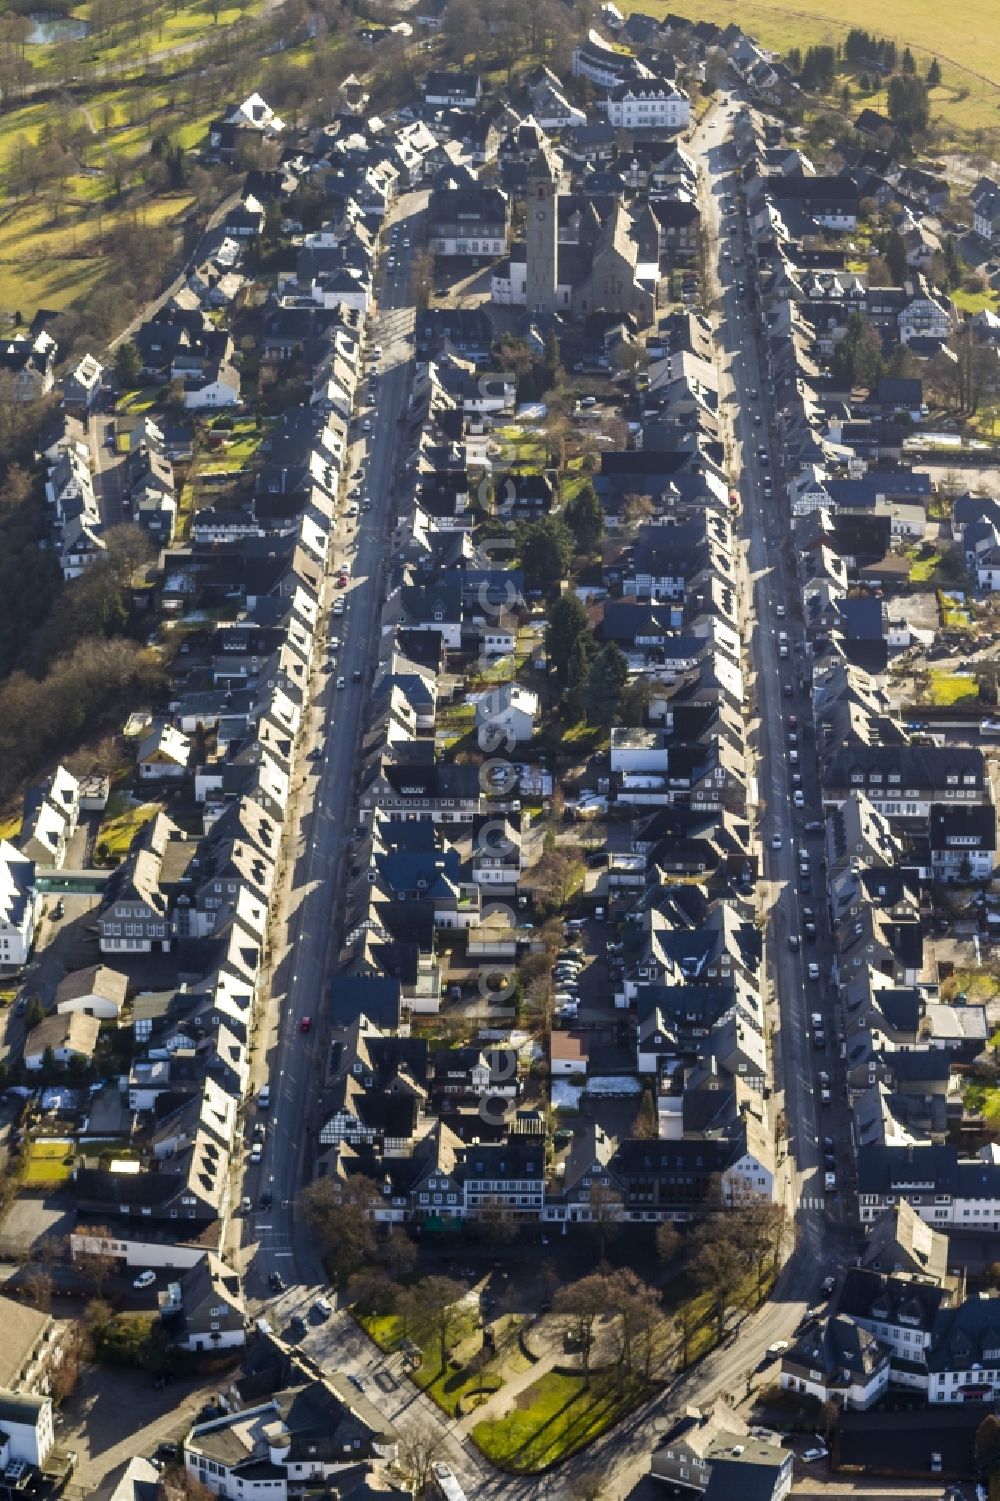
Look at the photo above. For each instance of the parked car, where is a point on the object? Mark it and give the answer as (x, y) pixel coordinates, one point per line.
(145, 1279)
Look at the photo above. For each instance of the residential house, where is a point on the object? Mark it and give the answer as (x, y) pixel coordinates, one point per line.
(963, 841)
(311, 1431)
(505, 717)
(204, 1309)
(837, 1362)
(96, 991)
(649, 104)
(18, 905)
(468, 221)
(72, 1035)
(451, 89)
(164, 755)
(82, 386)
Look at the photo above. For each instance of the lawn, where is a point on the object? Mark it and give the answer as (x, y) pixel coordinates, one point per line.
(975, 302)
(924, 563)
(945, 688)
(555, 1417)
(458, 1379)
(975, 984)
(122, 820)
(954, 615)
(983, 1099)
(47, 1162)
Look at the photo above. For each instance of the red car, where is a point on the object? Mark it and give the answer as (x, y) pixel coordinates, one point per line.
(342, 580)
(306, 1024)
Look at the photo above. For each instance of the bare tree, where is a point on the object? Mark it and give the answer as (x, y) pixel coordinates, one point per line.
(668, 1242)
(605, 1213)
(96, 1262)
(439, 1306)
(581, 1305)
(416, 1451)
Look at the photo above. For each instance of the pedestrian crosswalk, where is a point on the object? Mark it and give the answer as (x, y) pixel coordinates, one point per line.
(812, 1201)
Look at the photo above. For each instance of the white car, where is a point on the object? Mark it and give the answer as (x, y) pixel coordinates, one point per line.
(829, 1181)
(256, 1152)
(323, 1307)
(777, 1348)
(341, 682)
(776, 842)
(144, 1279)
(816, 1453)
(814, 971)
(799, 799)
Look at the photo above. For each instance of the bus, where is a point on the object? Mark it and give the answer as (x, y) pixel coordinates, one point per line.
(446, 1483)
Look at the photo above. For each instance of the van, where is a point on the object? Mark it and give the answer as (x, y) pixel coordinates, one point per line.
(815, 1020)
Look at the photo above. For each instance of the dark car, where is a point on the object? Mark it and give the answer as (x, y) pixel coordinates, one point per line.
(276, 1282)
(265, 1202)
(356, 675)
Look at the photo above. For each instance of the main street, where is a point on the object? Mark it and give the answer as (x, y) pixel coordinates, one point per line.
(321, 816)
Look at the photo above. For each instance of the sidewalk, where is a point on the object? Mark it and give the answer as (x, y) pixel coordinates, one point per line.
(501, 1402)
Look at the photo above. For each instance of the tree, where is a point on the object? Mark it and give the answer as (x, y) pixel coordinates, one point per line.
(338, 1215)
(908, 104)
(759, 1228)
(439, 1303)
(988, 1444)
(636, 509)
(639, 1314)
(895, 255)
(685, 1326)
(718, 1269)
(422, 274)
(584, 516)
(556, 878)
(575, 698)
(909, 65)
(633, 705)
(546, 552)
(934, 74)
(417, 1449)
(552, 363)
(644, 1126)
(97, 1262)
(38, 1284)
(581, 1304)
(668, 1242)
(567, 627)
(605, 1214)
(397, 1253)
(605, 683)
(128, 364)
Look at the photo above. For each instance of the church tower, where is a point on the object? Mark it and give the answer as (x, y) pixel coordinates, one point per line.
(542, 233)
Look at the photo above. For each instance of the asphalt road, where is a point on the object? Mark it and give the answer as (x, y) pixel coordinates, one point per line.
(322, 816)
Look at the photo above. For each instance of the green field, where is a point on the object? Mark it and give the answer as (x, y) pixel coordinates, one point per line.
(122, 820)
(950, 687)
(557, 1415)
(964, 38)
(47, 1161)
